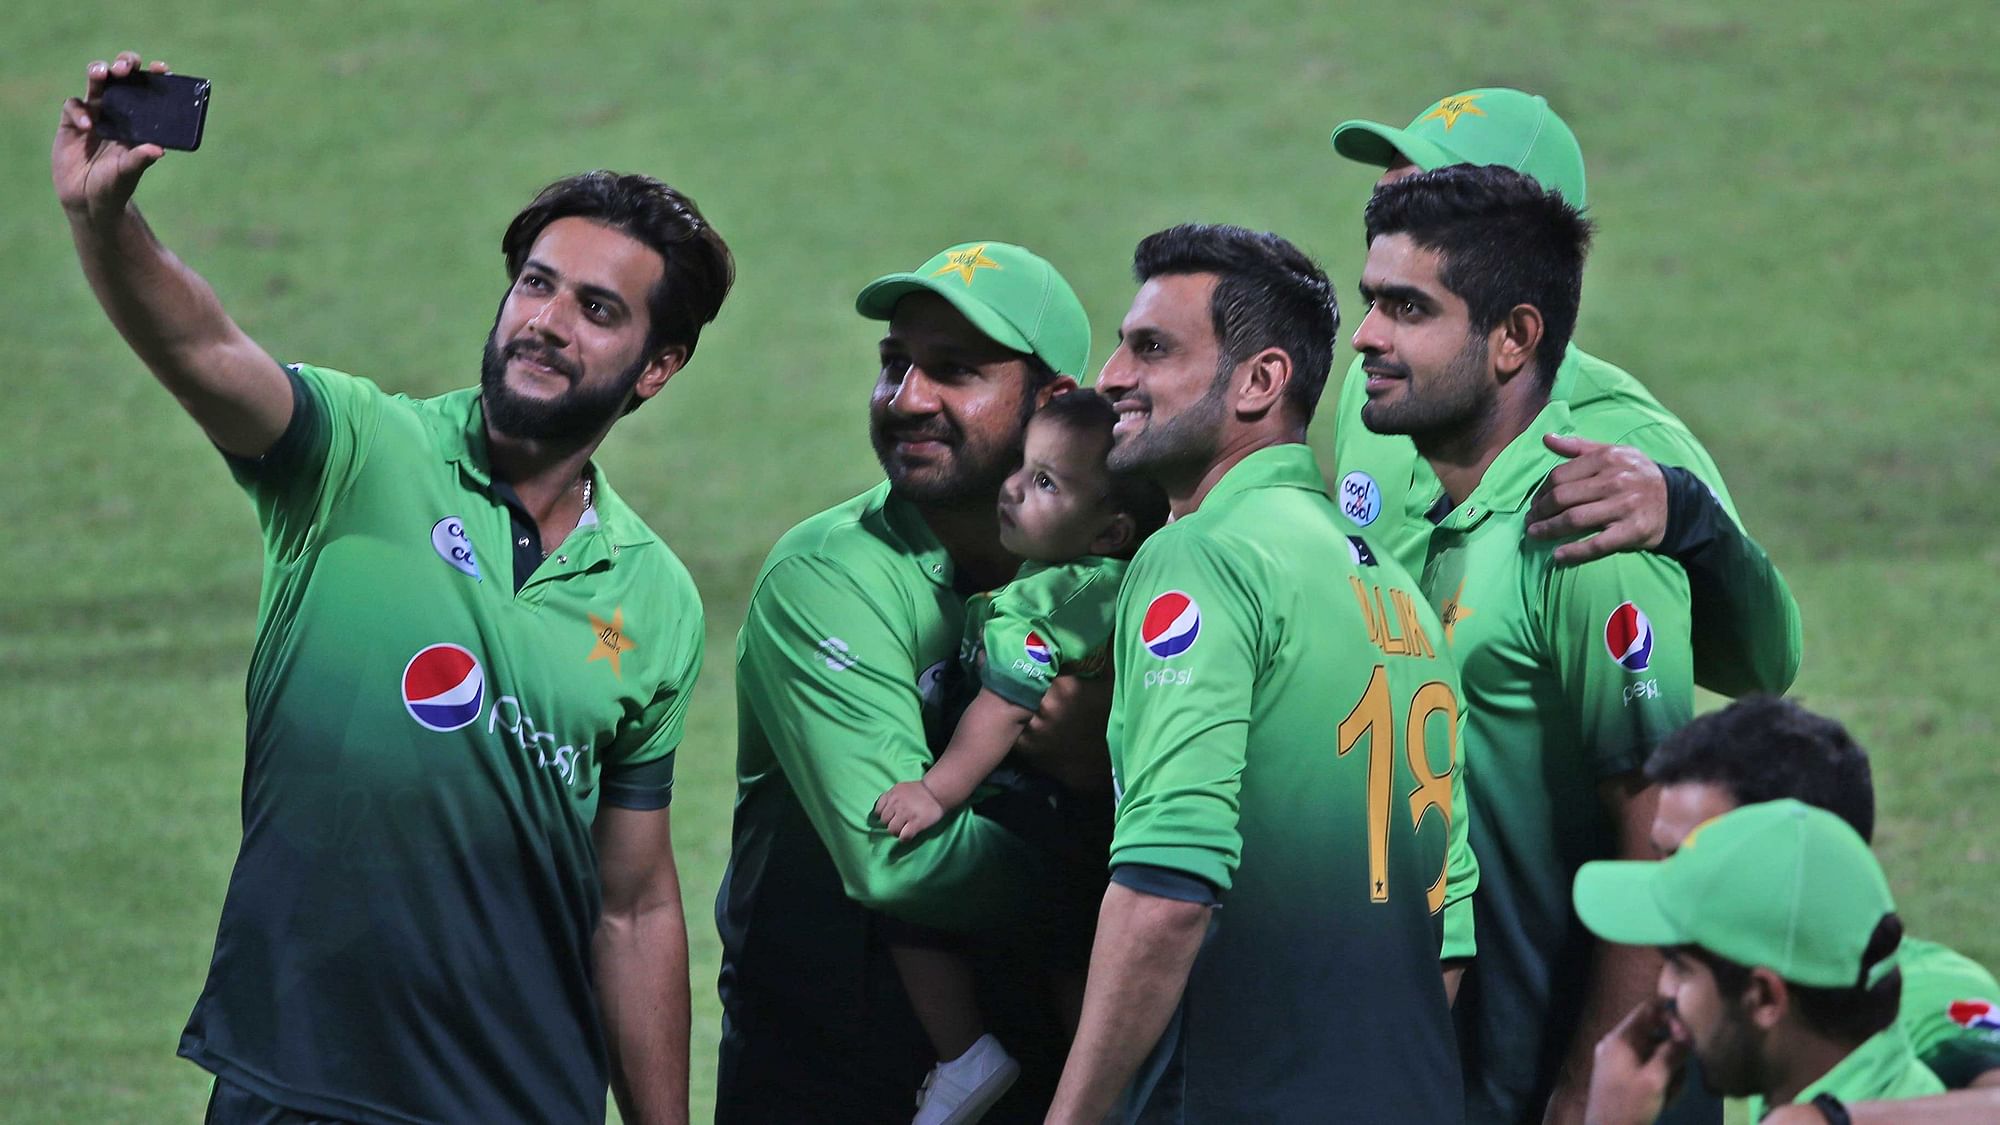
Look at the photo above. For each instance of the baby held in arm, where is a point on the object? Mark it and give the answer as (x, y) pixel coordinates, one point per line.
(1076, 525)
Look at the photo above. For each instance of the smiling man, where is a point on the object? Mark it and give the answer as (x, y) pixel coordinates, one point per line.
(1572, 674)
(846, 682)
(1284, 739)
(456, 897)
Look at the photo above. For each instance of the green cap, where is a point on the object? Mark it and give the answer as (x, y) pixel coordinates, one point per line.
(1013, 295)
(1780, 884)
(1494, 125)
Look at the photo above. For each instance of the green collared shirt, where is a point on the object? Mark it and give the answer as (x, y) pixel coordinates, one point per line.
(428, 748)
(1882, 1069)
(1571, 675)
(1284, 726)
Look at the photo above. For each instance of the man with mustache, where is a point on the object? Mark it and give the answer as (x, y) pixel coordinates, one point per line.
(457, 901)
(1572, 673)
(1654, 488)
(845, 677)
(1285, 739)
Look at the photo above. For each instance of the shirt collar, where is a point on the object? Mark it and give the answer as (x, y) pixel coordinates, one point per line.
(1872, 1069)
(1510, 481)
(1286, 465)
(467, 449)
(1565, 381)
(912, 535)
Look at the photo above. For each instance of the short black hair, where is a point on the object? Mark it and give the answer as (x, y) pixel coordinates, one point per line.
(698, 267)
(1762, 748)
(1505, 241)
(1849, 1013)
(1268, 294)
(1087, 412)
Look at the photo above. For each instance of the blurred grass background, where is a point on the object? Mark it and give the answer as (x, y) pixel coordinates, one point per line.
(1797, 215)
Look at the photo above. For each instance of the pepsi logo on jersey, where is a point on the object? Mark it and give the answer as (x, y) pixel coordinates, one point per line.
(1171, 626)
(1628, 635)
(443, 687)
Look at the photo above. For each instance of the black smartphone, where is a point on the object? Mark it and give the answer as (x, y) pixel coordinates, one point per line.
(154, 109)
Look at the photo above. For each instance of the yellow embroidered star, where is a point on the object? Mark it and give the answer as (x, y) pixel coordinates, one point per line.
(964, 262)
(1452, 108)
(612, 642)
(1454, 611)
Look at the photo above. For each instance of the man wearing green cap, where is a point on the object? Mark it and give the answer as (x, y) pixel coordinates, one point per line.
(1780, 938)
(1746, 625)
(845, 677)
(1765, 749)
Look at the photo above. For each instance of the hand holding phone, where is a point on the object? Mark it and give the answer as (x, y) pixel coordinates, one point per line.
(146, 108)
(95, 173)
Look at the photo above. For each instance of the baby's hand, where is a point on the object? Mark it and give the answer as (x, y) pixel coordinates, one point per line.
(908, 808)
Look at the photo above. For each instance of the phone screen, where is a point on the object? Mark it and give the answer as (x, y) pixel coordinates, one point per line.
(168, 110)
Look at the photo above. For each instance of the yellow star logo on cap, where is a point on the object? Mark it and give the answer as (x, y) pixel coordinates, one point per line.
(612, 642)
(964, 262)
(1454, 611)
(1452, 108)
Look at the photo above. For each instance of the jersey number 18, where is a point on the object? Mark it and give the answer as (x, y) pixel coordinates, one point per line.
(1375, 716)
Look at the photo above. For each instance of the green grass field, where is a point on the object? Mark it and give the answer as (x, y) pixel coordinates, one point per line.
(1797, 222)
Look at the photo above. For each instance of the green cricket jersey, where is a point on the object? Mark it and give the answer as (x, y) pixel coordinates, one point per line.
(1882, 1069)
(1748, 640)
(406, 935)
(846, 677)
(1285, 728)
(1950, 1010)
(1049, 621)
(1571, 675)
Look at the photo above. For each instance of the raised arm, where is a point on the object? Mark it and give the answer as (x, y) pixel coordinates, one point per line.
(167, 314)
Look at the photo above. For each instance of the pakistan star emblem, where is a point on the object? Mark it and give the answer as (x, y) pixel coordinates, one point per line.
(964, 262)
(612, 642)
(1452, 108)
(1454, 611)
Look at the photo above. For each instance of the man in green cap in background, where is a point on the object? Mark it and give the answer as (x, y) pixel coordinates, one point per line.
(845, 680)
(1660, 491)
(1780, 938)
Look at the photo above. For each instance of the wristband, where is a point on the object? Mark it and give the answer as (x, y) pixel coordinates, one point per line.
(1831, 1109)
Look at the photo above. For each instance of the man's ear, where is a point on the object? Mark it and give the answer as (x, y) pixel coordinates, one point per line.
(1513, 341)
(1766, 999)
(656, 373)
(1261, 381)
(1117, 537)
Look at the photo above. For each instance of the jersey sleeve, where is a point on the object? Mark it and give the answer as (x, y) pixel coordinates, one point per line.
(833, 684)
(1056, 622)
(296, 483)
(1745, 622)
(1617, 634)
(1461, 872)
(1951, 1010)
(1183, 704)
(639, 765)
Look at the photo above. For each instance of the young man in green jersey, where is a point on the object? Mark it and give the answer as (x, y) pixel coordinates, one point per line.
(845, 679)
(457, 901)
(1572, 673)
(1765, 749)
(1283, 739)
(1780, 940)
(1655, 489)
